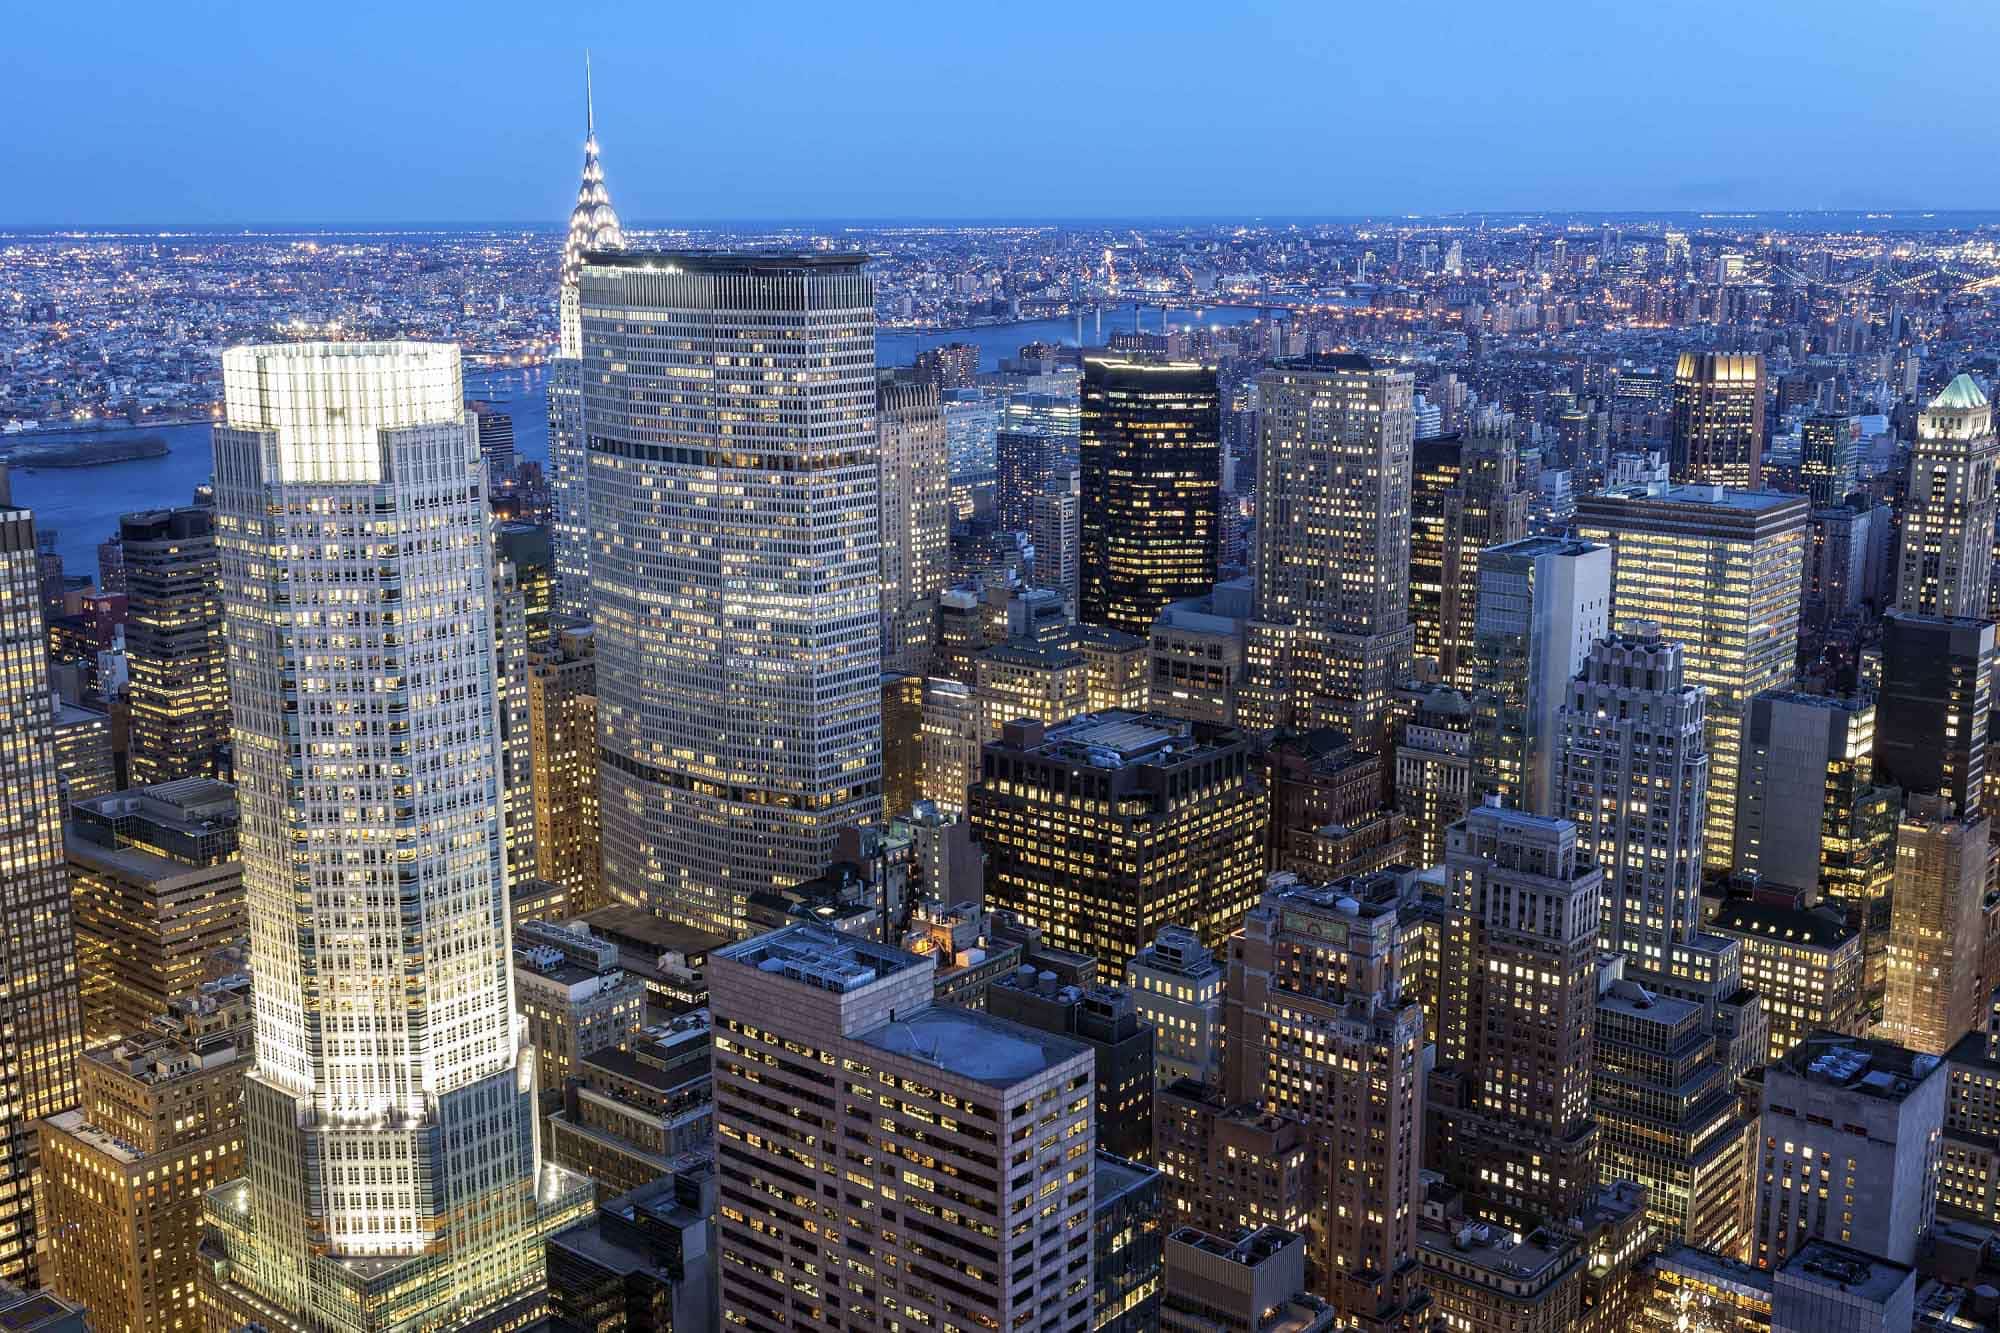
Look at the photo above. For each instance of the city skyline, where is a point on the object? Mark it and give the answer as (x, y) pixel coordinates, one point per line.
(1515, 115)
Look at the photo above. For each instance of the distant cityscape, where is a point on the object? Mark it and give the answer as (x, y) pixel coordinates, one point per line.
(1415, 775)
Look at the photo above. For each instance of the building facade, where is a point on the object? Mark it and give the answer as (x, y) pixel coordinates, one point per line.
(740, 727)
(1150, 475)
(177, 692)
(1945, 566)
(1720, 572)
(1333, 537)
(351, 515)
(1718, 420)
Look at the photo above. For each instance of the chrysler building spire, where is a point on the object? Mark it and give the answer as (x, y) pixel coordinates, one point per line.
(593, 223)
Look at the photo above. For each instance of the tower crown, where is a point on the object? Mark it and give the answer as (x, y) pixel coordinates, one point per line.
(593, 222)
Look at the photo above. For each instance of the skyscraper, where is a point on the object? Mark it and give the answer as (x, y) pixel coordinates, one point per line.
(1172, 832)
(1486, 508)
(1316, 1003)
(1934, 706)
(562, 731)
(1514, 1036)
(38, 998)
(916, 518)
(1434, 473)
(392, 1178)
(942, 1090)
(1633, 774)
(593, 225)
(158, 1125)
(1150, 473)
(1947, 554)
(1933, 993)
(1826, 459)
(1333, 537)
(738, 645)
(1718, 421)
(157, 893)
(173, 645)
(1543, 601)
(1719, 572)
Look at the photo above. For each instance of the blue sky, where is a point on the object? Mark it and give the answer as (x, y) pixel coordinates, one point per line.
(359, 110)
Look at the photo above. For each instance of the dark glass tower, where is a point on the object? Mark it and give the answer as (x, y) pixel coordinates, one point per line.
(1151, 473)
(173, 645)
(1931, 714)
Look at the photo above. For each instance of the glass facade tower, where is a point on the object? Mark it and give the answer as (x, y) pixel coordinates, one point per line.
(735, 498)
(392, 1181)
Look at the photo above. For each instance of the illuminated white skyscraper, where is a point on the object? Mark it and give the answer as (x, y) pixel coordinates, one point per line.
(392, 1178)
(734, 504)
(593, 225)
(1947, 551)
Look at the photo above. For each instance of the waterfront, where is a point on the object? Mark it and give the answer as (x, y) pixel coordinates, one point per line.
(82, 505)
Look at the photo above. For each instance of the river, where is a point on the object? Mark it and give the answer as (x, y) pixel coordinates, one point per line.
(82, 505)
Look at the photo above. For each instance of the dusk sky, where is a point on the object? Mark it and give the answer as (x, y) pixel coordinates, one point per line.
(212, 112)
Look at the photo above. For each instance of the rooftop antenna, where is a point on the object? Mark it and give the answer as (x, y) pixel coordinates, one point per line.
(589, 100)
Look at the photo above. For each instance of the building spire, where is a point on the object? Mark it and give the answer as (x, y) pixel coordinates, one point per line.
(593, 223)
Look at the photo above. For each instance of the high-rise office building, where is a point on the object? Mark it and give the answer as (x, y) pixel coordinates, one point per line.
(1055, 527)
(1037, 440)
(1433, 773)
(916, 526)
(1718, 420)
(1806, 962)
(943, 1089)
(1933, 706)
(739, 727)
(510, 686)
(1826, 459)
(179, 700)
(1514, 1037)
(1150, 475)
(1812, 817)
(1176, 982)
(593, 225)
(1111, 825)
(1333, 538)
(158, 1125)
(1315, 1003)
(1634, 776)
(1719, 572)
(1946, 564)
(1105, 1018)
(39, 1013)
(1932, 994)
(1434, 473)
(495, 430)
(1251, 1279)
(391, 1174)
(1048, 683)
(1543, 601)
(562, 730)
(1486, 508)
(529, 548)
(158, 897)
(1668, 1115)
(1851, 1148)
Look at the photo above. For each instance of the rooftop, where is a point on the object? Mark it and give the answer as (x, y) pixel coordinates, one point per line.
(1116, 1176)
(975, 1045)
(816, 956)
(1872, 1068)
(1961, 394)
(1805, 926)
(1115, 738)
(1707, 497)
(759, 262)
(1824, 1263)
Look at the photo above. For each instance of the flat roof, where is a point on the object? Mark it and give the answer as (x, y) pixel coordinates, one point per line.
(1705, 497)
(726, 261)
(1783, 925)
(1879, 1069)
(975, 1045)
(1116, 1176)
(1826, 1264)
